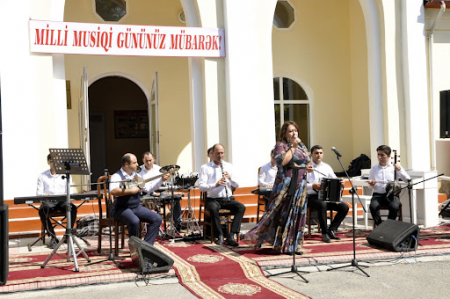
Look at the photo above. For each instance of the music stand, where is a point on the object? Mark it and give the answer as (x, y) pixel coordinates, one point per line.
(69, 161)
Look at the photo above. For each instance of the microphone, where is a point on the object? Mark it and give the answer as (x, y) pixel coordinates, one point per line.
(336, 151)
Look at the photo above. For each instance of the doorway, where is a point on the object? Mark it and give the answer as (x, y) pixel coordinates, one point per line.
(119, 124)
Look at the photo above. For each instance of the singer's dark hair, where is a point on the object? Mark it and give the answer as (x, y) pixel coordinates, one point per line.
(283, 130)
(315, 147)
(386, 149)
(49, 157)
(148, 153)
(210, 150)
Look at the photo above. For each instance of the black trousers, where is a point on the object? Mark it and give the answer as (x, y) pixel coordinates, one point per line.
(213, 205)
(47, 208)
(322, 206)
(379, 200)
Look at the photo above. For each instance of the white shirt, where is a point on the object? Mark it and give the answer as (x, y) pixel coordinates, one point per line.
(50, 184)
(267, 175)
(146, 174)
(385, 174)
(116, 181)
(210, 174)
(315, 177)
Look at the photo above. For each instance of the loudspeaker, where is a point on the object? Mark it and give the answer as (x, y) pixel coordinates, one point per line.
(4, 245)
(395, 236)
(444, 109)
(147, 258)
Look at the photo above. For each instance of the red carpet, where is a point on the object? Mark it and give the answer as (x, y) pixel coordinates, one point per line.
(211, 271)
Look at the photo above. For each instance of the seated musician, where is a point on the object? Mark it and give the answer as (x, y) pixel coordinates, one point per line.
(149, 170)
(321, 170)
(50, 183)
(379, 175)
(127, 201)
(216, 178)
(268, 172)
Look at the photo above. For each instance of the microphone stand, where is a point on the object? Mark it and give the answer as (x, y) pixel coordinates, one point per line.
(109, 214)
(354, 262)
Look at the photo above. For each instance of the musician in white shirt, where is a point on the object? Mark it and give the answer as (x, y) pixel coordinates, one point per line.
(216, 178)
(313, 186)
(268, 173)
(380, 175)
(50, 183)
(149, 170)
(127, 201)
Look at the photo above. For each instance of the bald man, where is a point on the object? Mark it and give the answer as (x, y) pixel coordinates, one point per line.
(127, 201)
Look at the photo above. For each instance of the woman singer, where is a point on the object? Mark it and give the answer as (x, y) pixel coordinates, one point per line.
(282, 224)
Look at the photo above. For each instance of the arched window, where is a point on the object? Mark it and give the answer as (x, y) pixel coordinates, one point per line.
(291, 103)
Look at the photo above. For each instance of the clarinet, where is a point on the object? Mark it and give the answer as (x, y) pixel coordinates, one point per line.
(223, 175)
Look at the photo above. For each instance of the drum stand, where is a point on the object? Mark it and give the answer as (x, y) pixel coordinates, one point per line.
(171, 234)
(74, 155)
(192, 224)
(354, 262)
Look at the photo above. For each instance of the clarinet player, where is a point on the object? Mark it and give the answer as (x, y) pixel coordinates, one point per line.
(216, 178)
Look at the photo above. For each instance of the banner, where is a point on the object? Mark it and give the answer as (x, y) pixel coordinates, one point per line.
(126, 40)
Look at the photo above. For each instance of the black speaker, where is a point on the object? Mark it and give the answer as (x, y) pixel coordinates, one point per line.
(444, 109)
(147, 258)
(4, 244)
(395, 236)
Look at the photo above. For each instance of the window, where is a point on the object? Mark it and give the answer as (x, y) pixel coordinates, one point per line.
(111, 10)
(291, 103)
(284, 15)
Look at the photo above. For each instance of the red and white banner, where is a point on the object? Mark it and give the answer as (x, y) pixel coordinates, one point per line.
(126, 40)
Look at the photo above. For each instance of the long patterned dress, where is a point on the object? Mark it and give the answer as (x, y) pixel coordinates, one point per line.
(285, 207)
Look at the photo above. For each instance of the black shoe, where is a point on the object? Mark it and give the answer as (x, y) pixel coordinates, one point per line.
(332, 235)
(219, 240)
(326, 238)
(231, 242)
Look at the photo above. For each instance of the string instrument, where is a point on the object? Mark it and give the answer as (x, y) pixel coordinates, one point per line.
(393, 188)
(138, 181)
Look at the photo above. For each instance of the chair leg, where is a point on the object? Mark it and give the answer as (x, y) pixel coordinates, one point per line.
(99, 239)
(257, 212)
(308, 212)
(116, 239)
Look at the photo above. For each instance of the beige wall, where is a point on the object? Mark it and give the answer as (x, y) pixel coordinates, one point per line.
(326, 49)
(174, 102)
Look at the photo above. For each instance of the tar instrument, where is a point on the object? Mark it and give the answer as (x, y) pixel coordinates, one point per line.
(330, 189)
(138, 181)
(393, 188)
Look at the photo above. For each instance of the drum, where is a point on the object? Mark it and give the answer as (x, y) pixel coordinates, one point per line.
(150, 202)
(330, 189)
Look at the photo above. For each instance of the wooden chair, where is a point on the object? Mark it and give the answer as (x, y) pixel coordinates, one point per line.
(310, 215)
(104, 222)
(223, 213)
(261, 201)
